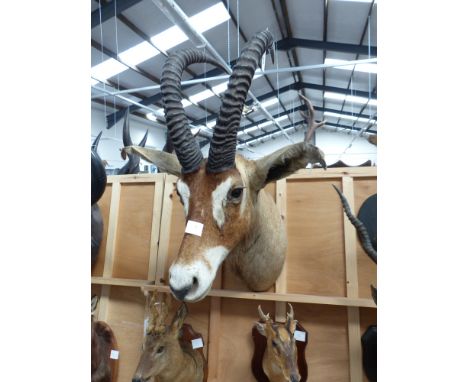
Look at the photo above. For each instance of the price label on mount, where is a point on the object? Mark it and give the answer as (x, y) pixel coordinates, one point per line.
(300, 336)
(197, 343)
(114, 354)
(194, 228)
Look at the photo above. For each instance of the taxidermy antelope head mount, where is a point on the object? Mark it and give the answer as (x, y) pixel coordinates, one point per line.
(223, 195)
(103, 368)
(309, 116)
(165, 356)
(280, 358)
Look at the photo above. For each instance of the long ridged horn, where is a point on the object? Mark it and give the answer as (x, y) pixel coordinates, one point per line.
(186, 147)
(365, 239)
(223, 144)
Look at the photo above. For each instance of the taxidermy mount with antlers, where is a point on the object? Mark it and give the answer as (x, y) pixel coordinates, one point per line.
(223, 195)
(166, 356)
(280, 357)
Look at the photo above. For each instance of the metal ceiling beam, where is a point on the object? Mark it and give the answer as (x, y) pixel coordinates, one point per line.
(360, 43)
(108, 10)
(300, 125)
(302, 108)
(290, 43)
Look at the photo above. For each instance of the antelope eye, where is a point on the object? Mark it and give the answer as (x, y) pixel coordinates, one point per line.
(275, 344)
(236, 193)
(160, 349)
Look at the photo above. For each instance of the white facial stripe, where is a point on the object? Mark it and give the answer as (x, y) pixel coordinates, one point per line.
(184, 192)
(182, 275)
(219, 197)
(243, 173)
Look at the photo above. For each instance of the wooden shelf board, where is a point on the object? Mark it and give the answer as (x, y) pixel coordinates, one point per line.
(120, 282)
(269, 296)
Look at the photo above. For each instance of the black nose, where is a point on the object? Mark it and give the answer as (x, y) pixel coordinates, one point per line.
(295, 378)
(136, 380)
(180, 293)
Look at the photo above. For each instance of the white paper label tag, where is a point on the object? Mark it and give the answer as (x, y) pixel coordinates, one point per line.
(197, 343)
(300, 335)
(114, 354)
(263, 62)
(195, 228)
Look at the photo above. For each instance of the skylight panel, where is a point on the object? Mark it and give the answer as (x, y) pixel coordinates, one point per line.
(205, 94)
(270, 102)
(210, 17)
(202, 21)
(350, 98)
(218, 89)
(138, 53)
(167, 39)
(107, 69)
(350, 117)
(365, 68)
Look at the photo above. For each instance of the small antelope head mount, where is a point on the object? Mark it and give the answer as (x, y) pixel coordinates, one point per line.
(280, 359)
(162, 354)
(220, 192)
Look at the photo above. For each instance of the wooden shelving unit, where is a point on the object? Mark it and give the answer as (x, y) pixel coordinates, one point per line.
(326, 274)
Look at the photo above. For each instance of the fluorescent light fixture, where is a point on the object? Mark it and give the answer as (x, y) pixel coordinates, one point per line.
(365, 68)
(205, 94)
(195, 130)
(270, 102)
(138, 53)
(350, 117)
(169, 38)
(107, 69)
(350, 98)
(211, 124)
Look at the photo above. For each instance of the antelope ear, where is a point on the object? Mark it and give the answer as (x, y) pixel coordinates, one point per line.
(178, 319)
(291, 325)
(286, 161)
(165, 161)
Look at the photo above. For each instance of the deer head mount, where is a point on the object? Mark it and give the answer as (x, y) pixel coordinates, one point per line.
(103, 368)
(280, 357)
(309, 116)
(223, 193)
(165, 355)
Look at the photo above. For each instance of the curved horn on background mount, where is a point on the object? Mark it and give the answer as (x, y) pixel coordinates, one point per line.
(98, 172)
(186, 147)
(223, 144)
(133, 164)
(366, 241)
